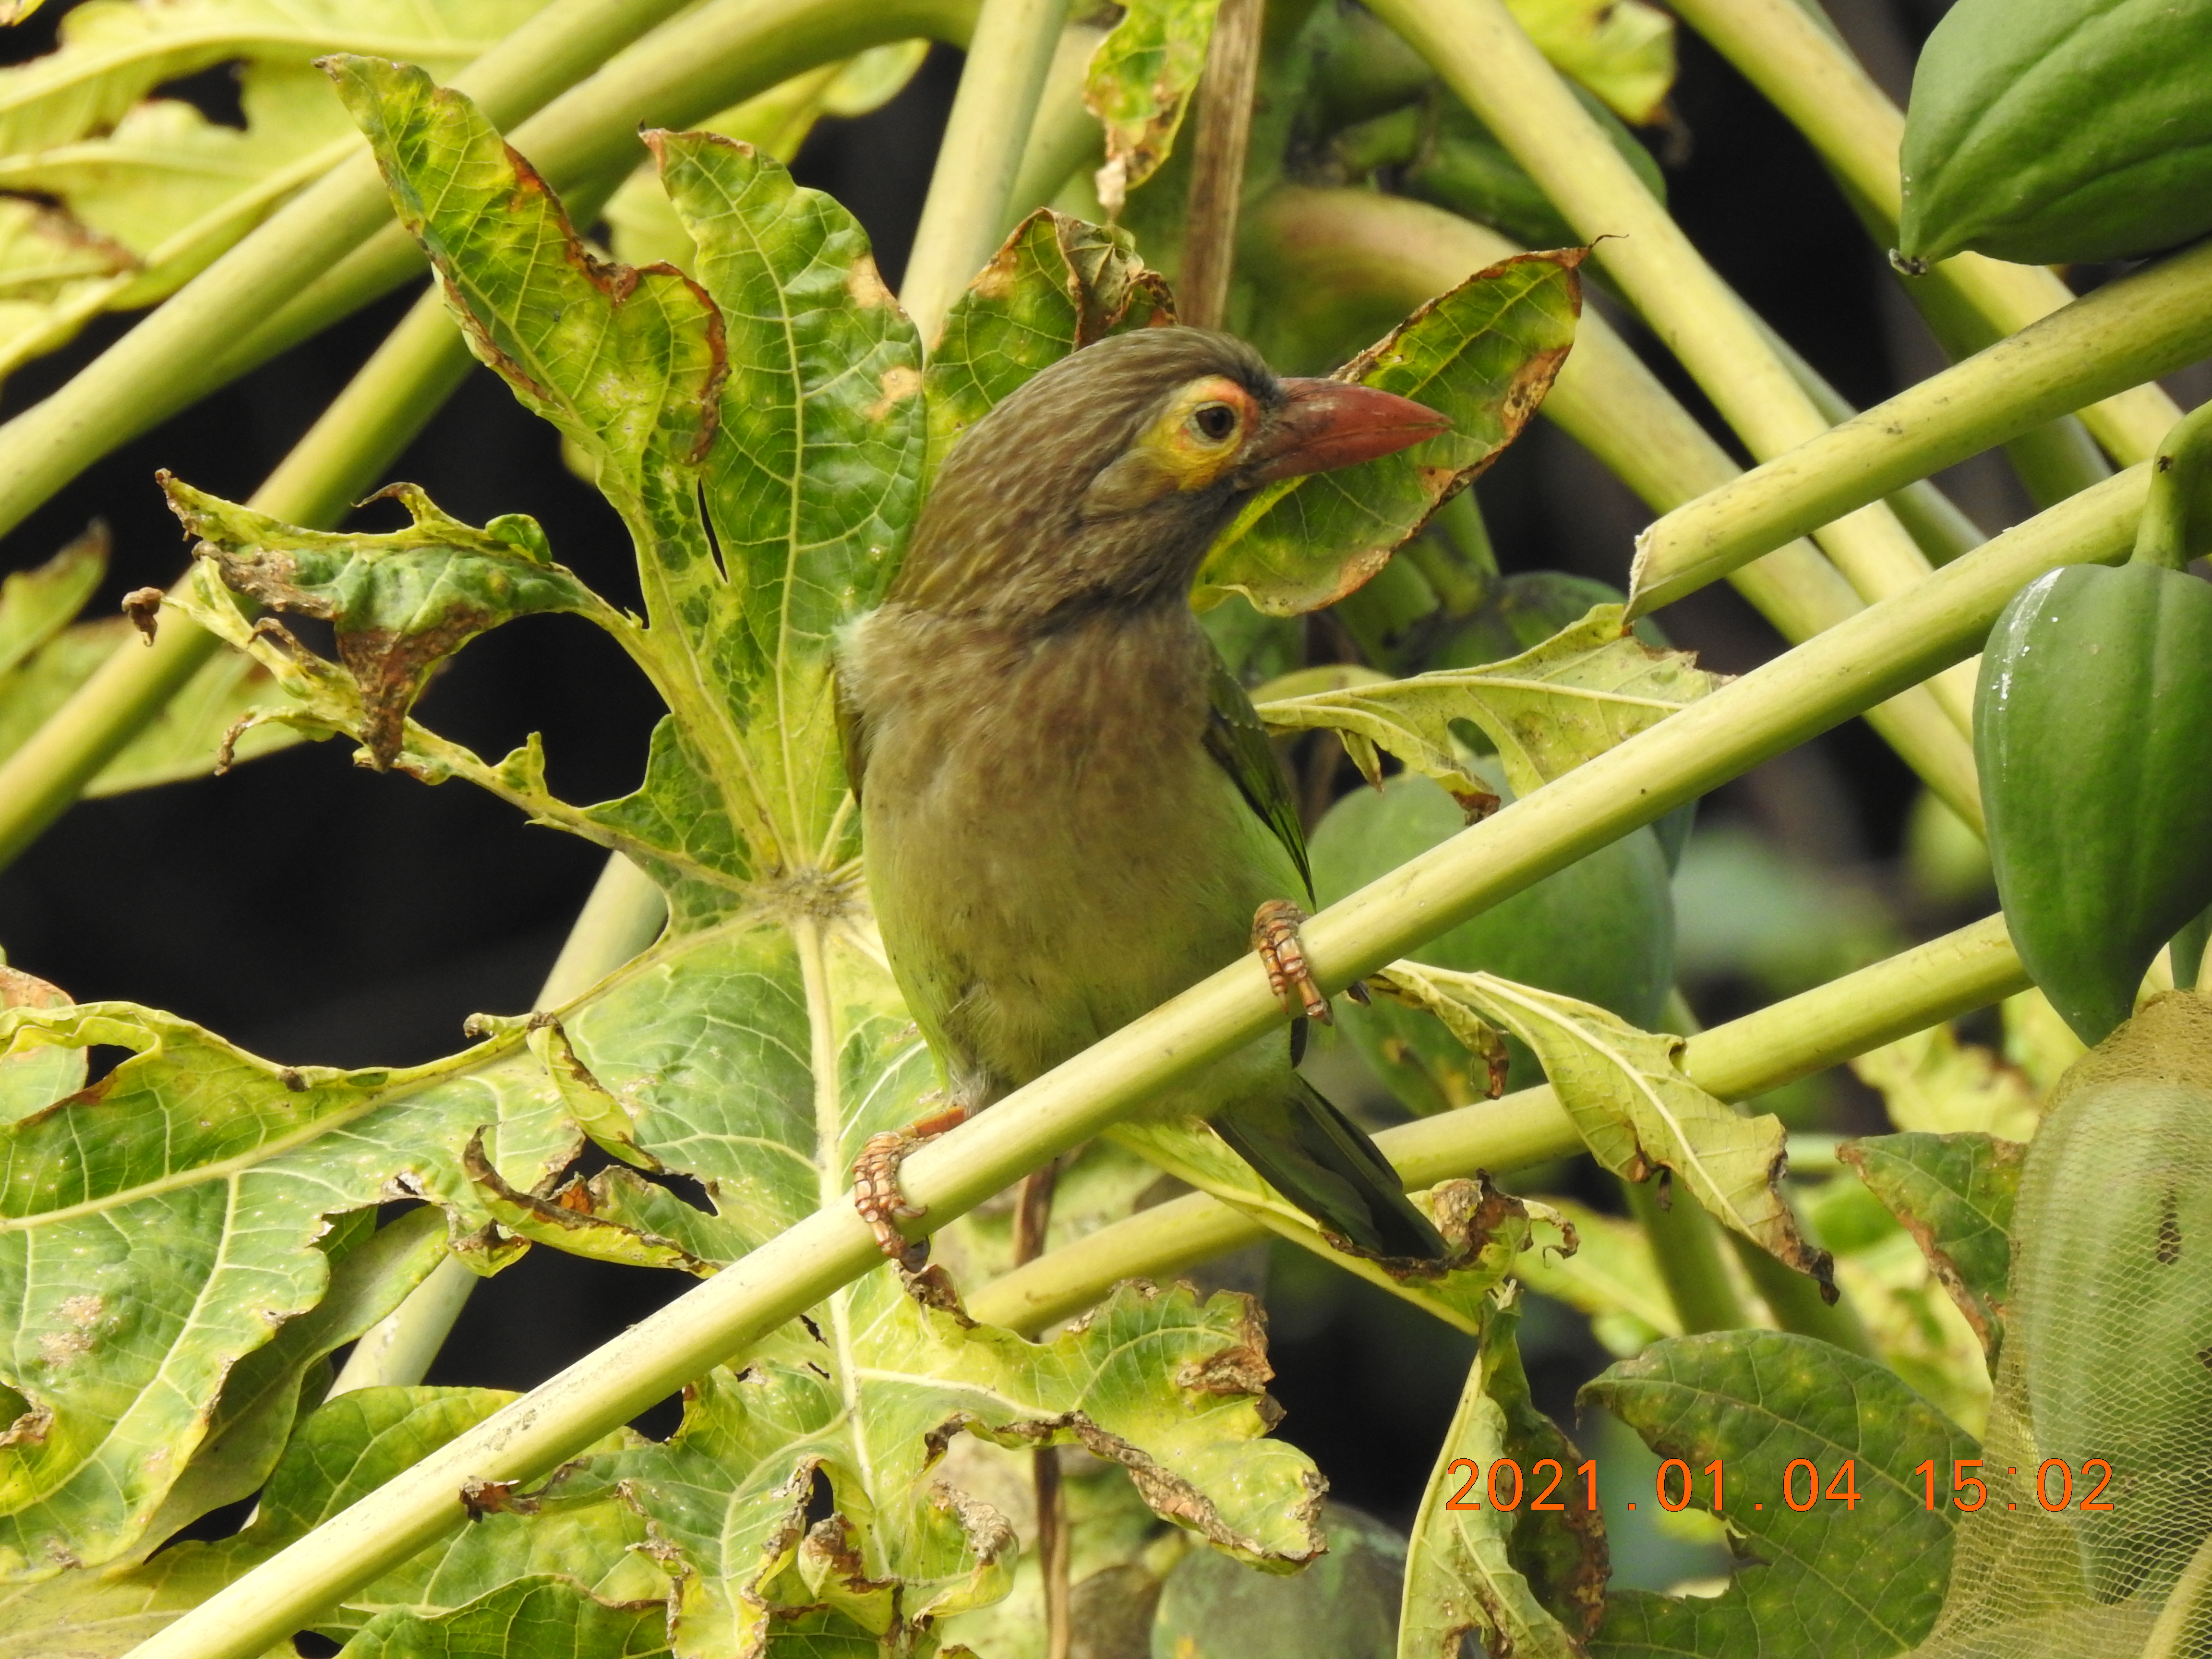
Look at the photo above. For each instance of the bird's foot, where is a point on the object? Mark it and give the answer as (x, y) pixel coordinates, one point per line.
(1275, 936)
(876, 1192)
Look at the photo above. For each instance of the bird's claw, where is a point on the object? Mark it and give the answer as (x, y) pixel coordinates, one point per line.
(1275, 937)
(876, 1192)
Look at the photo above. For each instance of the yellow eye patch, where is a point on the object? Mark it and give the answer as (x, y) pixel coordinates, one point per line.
(1203, 428)
(1201, 431)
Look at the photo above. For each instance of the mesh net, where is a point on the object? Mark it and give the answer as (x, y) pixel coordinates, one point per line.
(2106, 1364)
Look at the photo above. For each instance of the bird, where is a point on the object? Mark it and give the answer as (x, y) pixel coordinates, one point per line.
(1070, 809)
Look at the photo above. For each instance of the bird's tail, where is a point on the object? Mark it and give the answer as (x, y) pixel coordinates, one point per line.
(1324, 1162)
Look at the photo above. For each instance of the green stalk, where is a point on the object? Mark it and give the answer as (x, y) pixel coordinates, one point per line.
(1808, 74)
(583, 143)
(1859, 663)
(1008, 61)
(1404, 253)
(2178, 482)
(1484, 57)
(361, 434)
(161, 362)
(2143, 324)
(1065, 135)
(1940, 980)
(623, 914)
(1686, 1245)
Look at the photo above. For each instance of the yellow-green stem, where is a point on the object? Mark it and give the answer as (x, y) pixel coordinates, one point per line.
(623, 914)
(1856, 665)
(1948, 976)
(1008, 63)
(1686, 1245)
(1811, 78)
(1484, 57)
(2177, 519)
(2146, 323)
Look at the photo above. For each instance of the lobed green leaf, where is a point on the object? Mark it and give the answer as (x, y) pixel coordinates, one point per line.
(1635, 1108)
(1484, 354)
(162, 1224)
(1862, 1581)
(1547, 711)
(1955, 1195)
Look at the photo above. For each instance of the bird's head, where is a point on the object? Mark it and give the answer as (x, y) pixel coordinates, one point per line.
(1104, 478)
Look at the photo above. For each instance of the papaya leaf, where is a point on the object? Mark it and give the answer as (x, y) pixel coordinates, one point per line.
(1932, 1082)
(372, 1268)
(1484, 1229)
(1611, 1275)
(1484, 354)
(546, 1617)
(1855, 1578)
(184, 739)
(1056, 286)
(1500, 1575)
(1637, 1111)
(1139, 83)
(341, 1453)
(400, 603)
(162, 1225)
(1548, 710)
(1163, 1384)
(1622, 49)
(1955, 1195)
(643, 226)
(131, 194)
(36, 605)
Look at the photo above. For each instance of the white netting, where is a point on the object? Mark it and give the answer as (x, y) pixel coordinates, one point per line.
(2107, 1359)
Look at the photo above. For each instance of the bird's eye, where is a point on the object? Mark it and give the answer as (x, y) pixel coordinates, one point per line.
(1214, 421)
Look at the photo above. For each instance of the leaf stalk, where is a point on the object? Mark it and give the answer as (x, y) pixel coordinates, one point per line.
(1961, 971)
(1810, 75)
(2177, 519)
(1486, 58)
(2142, 325)
(1008, 61)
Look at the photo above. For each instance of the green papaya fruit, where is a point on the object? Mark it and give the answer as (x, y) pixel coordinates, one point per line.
(1602, 930)
(2092, 730)
(2048, 131)
(2111, 1300)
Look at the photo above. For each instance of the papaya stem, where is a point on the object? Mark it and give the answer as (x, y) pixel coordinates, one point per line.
(1217, 176)
(2177, 519)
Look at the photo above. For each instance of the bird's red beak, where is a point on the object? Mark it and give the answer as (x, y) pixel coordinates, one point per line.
(1326, 424)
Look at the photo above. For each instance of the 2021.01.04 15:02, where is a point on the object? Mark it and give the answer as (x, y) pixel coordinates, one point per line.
(1505, 1486)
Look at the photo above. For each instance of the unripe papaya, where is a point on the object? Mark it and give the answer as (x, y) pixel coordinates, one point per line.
(2111, 1299)
(2048, 131)
(1601, 930)
(2092, 729)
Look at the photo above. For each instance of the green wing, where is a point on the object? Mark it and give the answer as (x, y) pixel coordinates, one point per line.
(852, 738)
(1323, 1163)
(1236, 737)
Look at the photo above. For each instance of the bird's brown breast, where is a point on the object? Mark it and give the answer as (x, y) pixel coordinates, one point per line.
(1051, 851)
